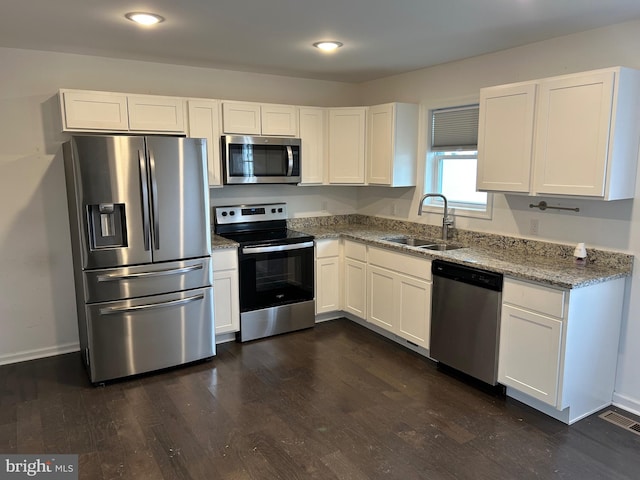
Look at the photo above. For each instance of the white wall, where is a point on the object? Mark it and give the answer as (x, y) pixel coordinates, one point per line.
(612, 225)
(37, 309)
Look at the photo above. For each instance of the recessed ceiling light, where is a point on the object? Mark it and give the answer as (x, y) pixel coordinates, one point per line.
(144, 18)
(328, 46)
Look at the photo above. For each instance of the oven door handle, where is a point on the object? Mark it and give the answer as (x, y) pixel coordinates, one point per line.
(277, 248)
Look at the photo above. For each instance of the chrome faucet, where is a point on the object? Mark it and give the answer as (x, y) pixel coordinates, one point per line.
(447, 221)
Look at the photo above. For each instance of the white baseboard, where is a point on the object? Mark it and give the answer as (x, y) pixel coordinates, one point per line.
(627, 403)
(39, 353)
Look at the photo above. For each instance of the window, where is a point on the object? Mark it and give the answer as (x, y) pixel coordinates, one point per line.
(453, 160)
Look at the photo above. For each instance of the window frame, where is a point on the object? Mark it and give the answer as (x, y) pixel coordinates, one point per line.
(432, 174)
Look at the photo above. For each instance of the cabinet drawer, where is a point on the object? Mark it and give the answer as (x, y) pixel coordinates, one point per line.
(226, 259)
(399, 262)
(355, 250)
(327, 248)
(534, 297)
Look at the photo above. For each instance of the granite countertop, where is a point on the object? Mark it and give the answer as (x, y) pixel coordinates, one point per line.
(559, 272)
(549, 264)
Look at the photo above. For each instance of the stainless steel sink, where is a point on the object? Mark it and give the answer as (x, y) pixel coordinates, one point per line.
(409, 241)
(441, 247)
(423, 243)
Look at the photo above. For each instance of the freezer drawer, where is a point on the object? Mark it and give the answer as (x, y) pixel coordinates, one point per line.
(110, 284)
(144, 334)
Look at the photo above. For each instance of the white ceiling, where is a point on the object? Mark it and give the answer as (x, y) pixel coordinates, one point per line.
(381, 37)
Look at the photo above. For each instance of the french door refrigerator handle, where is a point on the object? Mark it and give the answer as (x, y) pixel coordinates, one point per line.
(150, 306)
(290, 155)
(154, 202)
(145, 201)
(155, 273)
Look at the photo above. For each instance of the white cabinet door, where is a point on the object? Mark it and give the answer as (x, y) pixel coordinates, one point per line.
(94, 111)
(414, 303)
(347, 145)
(226, 295)
(392, 144)
(151, 113)
(530, 351)
(204, 123)
(327, 285)
(279, 120)
(241, 118)
(355, 287)
(226, 311)
(572, 134)
(505, 137)
(313, 135)
(381, 309)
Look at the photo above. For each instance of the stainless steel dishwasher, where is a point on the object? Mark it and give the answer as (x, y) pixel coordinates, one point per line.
(465, 319)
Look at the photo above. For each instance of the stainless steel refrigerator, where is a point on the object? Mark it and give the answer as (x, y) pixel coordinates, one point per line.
(141, 241)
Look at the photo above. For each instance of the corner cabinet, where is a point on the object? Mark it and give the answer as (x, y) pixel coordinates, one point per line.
(91, 111)
(204, 123)
(226, 307)
(392, 149)
(399, 294)
(245, 118)
(558, 348)
(572, 135)
(347, 134)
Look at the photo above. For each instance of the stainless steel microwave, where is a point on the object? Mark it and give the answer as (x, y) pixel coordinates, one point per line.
(252, 159)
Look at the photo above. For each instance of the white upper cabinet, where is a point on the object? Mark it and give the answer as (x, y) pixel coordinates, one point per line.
(586, 129)
(505, 137)
(313, 134)
(247, 118)
(93, 111)
(204, 123)
(347, 128)
(151, 113)
(89, 111)
(392, 139)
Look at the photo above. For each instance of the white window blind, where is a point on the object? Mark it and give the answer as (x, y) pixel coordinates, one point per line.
(455, 129)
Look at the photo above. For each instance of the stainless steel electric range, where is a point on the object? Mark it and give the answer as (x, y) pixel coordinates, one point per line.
(276, 269)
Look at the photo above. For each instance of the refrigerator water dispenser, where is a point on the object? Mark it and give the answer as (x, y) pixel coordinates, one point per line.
(107, 225)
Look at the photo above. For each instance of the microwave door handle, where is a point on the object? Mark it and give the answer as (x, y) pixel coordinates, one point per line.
(290, 156)
(154, 202)
(144, 189)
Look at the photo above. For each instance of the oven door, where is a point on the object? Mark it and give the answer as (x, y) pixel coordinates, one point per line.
(272, 275)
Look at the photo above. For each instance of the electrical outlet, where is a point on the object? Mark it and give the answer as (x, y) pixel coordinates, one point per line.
(534, 226)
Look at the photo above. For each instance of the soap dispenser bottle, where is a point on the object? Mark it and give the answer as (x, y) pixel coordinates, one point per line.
(580, 254)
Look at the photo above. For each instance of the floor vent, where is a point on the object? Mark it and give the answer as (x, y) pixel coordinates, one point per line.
(621, 421)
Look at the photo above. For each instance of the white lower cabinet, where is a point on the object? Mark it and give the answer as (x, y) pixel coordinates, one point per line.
(530, 353)
(226, 295)
(328, 276)
(399, 294)
(558, 348)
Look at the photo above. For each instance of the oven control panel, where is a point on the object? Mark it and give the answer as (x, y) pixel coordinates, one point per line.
(250, 213)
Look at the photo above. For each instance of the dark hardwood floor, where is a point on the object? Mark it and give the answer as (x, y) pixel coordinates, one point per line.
(333, 402)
